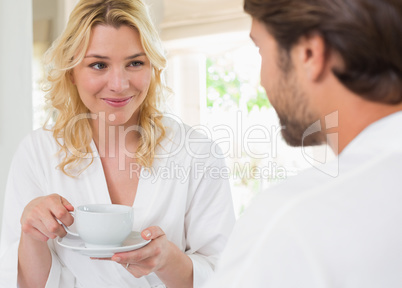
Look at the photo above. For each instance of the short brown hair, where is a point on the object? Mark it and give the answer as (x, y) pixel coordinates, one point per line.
(366, 33)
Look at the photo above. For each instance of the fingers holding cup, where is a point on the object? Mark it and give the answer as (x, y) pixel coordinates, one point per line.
(39, 218)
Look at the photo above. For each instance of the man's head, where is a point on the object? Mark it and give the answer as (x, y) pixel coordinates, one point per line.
(366, 36)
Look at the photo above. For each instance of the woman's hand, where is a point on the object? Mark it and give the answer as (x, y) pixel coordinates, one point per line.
(161, 256)
(38, 224)
(38, 220)
(151, 257)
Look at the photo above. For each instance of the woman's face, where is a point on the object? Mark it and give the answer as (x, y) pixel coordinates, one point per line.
(114, 76)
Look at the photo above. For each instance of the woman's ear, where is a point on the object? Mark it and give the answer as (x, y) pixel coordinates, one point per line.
(71, 75)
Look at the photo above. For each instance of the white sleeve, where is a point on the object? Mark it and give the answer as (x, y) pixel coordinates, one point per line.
(59, 275)
(209, 219)
(26, 181)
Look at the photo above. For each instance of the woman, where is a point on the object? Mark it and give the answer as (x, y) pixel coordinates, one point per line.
(110, 144)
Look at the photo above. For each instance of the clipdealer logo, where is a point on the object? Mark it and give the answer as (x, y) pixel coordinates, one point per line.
(233, 142)
(322, 161)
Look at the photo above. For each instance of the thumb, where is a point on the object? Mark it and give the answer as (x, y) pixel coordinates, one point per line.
(152, 232)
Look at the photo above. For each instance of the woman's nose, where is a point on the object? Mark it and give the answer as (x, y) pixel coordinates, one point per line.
(118, 80)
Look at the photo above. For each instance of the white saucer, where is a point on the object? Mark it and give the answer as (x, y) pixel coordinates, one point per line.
(134, 241)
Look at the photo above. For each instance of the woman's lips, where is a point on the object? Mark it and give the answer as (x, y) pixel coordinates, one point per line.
(118, 102)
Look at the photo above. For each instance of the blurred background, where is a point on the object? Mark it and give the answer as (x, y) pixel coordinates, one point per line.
(213, 70)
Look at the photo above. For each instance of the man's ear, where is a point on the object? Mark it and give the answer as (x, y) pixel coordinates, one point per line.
(312, 55)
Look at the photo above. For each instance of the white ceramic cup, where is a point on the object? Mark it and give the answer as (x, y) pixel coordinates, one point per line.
(102, 225)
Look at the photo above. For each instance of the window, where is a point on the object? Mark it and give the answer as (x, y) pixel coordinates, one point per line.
(235, 110)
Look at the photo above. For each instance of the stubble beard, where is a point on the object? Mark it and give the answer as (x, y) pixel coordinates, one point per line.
(293, 109)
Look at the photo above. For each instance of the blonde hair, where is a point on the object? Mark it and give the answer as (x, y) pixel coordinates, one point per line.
(69, 50)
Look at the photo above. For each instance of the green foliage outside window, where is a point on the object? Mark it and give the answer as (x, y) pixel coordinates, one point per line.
(224, 85)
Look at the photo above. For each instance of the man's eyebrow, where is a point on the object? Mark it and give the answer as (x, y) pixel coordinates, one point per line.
(107, 58)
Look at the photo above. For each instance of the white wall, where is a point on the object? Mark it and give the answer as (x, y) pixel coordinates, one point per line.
(186, 76)
(193, 18)
(15, 81)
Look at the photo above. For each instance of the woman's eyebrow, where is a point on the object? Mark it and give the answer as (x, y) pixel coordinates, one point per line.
(136, 55)
(107, 58)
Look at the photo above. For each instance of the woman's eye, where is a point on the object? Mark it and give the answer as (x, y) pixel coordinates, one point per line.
(98, 66)
(136, 63)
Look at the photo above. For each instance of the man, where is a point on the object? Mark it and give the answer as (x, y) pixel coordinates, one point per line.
(333, 67)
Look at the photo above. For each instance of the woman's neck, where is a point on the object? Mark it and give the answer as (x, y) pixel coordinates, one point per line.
(112, 140)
